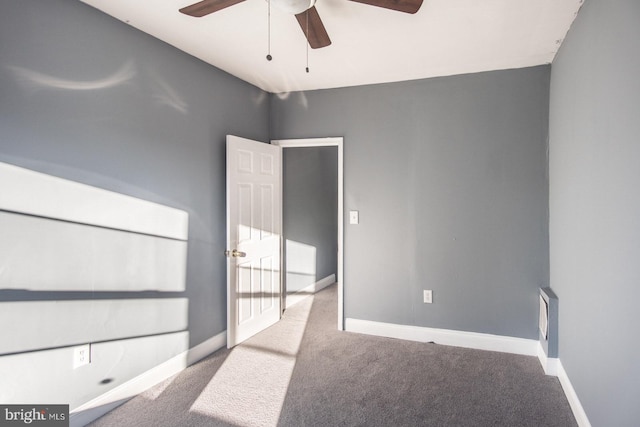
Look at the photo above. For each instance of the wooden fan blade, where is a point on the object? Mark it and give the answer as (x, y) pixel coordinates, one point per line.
(407, 6)
(206, 7)
(316, 34)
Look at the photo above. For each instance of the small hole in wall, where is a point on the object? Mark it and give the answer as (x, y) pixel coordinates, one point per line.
(106, 381)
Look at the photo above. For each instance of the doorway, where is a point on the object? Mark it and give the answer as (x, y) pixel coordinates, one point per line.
(305, 260)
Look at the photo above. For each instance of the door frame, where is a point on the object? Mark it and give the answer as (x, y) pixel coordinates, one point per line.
(327, 142)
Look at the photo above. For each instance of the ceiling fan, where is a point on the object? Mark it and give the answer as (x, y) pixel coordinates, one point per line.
(304, 11)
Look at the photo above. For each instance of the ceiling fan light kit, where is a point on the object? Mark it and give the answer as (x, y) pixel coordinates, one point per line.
(292, 7)
(406, 6)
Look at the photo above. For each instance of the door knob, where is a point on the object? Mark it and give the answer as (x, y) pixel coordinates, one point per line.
(235, 254)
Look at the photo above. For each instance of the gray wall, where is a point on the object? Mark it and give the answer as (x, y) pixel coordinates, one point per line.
(450, 178)
(310, 212)
(153, 127)
(595, 208)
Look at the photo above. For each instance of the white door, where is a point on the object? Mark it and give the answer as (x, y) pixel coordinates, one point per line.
(254, 200)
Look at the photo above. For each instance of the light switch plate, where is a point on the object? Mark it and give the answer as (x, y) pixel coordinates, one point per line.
(354, 217)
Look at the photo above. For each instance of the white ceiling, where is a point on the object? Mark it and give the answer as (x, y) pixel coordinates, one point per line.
(369, 44)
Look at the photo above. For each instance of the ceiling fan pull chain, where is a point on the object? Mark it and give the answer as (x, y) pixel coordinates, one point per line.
(269, 57)
(306, 42)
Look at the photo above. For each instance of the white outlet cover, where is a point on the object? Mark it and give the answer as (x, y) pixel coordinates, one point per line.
(81, 355)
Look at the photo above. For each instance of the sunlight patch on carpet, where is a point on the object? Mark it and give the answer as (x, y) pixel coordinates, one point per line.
(250, 387)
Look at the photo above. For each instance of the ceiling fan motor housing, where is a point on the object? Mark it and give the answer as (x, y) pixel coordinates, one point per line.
(292, 7)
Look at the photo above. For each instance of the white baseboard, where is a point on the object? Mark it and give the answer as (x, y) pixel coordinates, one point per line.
(104, 403)
(445, 336)
(572, 397)
(309, 290)
(207, 347)
(549, 364)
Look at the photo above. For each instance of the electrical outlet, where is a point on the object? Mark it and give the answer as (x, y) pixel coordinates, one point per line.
(428, 296)
(81, 355)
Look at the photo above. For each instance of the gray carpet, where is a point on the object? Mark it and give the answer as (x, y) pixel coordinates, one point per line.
(303, 372)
